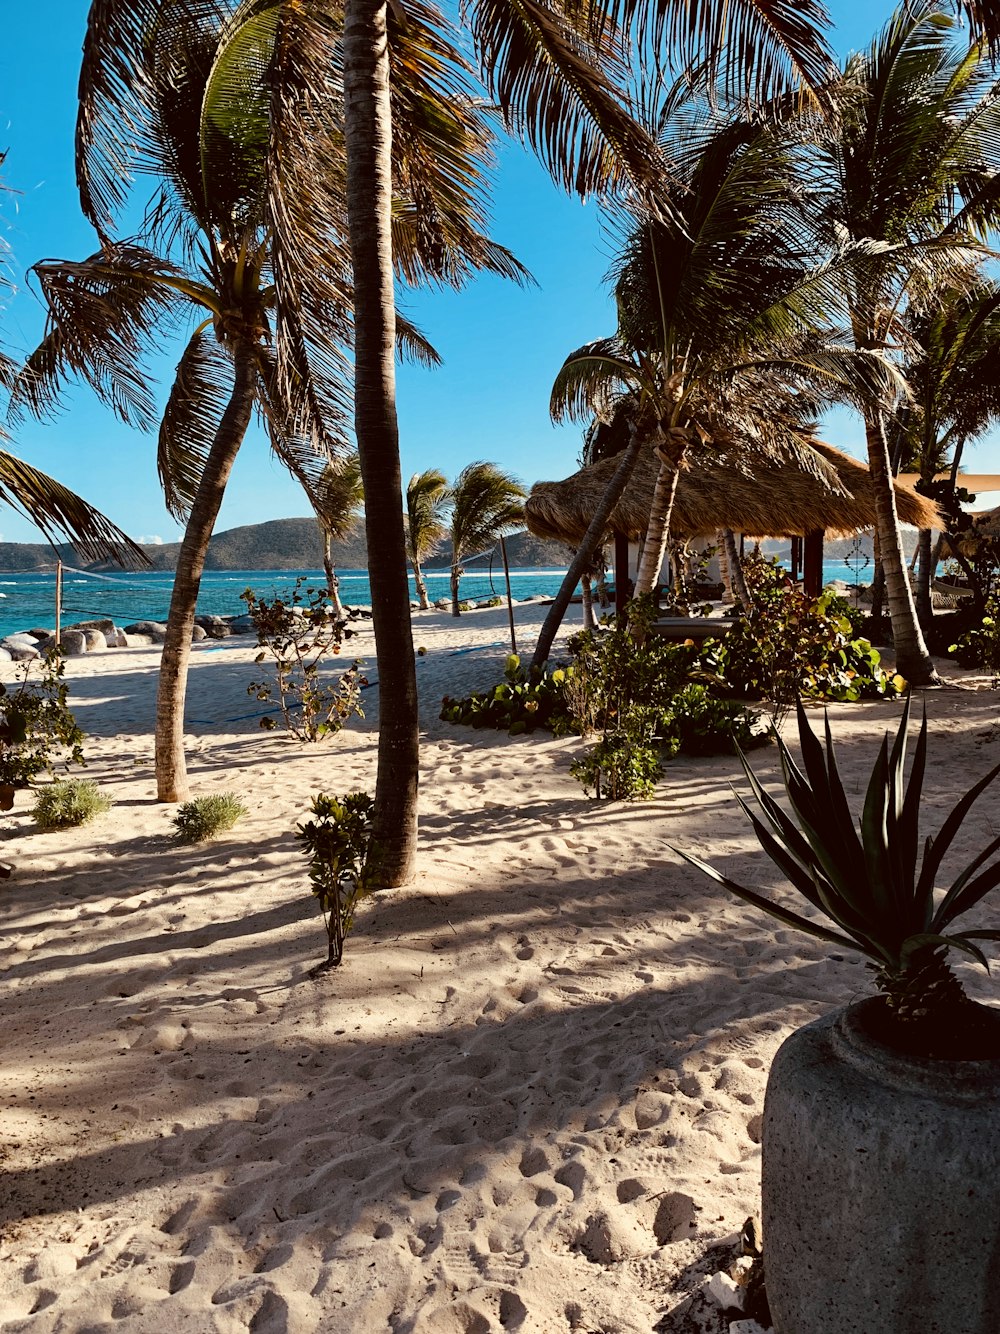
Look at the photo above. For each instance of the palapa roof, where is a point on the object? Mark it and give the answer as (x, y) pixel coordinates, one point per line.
(769, 499)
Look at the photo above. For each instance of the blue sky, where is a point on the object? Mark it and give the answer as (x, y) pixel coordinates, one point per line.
(501, 344)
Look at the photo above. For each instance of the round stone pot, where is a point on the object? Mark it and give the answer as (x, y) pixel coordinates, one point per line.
(881, 1186)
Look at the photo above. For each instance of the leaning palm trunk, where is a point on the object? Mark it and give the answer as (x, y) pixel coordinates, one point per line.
(912, 659)
(592, 539)
(171, 770)
(421, 586)
(368, 141)
(332, 582)
(654, 548)
(737, 583)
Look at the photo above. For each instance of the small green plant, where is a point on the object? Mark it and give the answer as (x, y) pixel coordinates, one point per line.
(519, 704)
(204, 817)
(699, 723)
(619, 768)
(37, 729)
(300, 634)
(336, 842)
(980, 647)
(870, 881)
(69, 802)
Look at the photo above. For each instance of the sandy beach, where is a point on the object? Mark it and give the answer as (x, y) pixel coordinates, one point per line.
(529, 1100)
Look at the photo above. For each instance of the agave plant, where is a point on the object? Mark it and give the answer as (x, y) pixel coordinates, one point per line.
(867, 880)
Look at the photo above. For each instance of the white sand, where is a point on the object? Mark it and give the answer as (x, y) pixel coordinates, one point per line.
(529, 1100)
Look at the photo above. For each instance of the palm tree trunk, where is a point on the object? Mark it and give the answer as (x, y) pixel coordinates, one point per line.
(332, 582)
(912, 659)
(592, 539)
(654, 548)
(737, 583)
(456, 574)
(171, 770)
(368, 141)
(925, 607)
(586, 588)
(418, 579)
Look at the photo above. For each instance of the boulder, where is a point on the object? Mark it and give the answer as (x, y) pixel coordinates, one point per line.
(106, 626)
(21, 647)
(198, 633)
(136, 641)
(216, 627)
(5, 655)
(156, 630)
(96, 640)
(37, 633)
(72, 643)
(242, 625)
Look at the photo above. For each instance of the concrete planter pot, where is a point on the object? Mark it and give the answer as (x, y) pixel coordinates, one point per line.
(881, 1186)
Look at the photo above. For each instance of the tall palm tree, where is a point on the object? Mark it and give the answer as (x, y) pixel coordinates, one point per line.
(428, 497)
(721, 342)
(953, 372)
(485, 504)
(200, 94)
(337, 499)
(907, 185)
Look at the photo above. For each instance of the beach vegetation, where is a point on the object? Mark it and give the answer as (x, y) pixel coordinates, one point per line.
(428, 497)
(203, 818)
(69, 802)
(485, 505)
(522, 702)
(336, 841)
(905, 190)
(621, 767)
(980, 646)
(37, 727)
(876, 882)
(299, 635)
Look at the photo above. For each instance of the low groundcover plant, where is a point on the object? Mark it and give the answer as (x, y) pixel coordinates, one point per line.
(69, 802)
(872, 884)
(204, 817)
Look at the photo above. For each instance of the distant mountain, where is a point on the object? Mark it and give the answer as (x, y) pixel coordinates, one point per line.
(281, 544)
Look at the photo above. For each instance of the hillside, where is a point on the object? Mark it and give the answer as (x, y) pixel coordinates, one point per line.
(281, 544)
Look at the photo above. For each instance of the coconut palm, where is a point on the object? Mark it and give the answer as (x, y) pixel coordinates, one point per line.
(337, 499)
(907, 183)
(721, 342)
(485, 505)
(196, 93)
(428, 497)
(953, 372)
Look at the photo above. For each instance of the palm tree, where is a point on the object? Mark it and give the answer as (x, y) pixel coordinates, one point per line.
(907, 182)
(196, 92)
(337, 499)
(953, 371)
(428, 497)
(485, 504)
(721, 342)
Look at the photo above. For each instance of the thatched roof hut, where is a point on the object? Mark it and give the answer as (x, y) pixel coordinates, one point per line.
(772, 500)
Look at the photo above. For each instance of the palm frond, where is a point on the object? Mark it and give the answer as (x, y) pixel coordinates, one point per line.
(201, 389)
(338, 497)
(485, 503)
(57, 510)
(428, 497)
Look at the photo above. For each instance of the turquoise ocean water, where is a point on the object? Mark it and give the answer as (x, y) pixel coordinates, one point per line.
(27, 600)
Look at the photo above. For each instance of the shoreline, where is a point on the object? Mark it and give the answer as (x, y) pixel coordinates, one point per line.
(529, 1099)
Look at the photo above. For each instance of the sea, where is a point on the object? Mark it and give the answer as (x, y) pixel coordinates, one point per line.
(27, 599)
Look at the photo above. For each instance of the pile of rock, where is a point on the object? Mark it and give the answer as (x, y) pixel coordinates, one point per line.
(99, 635)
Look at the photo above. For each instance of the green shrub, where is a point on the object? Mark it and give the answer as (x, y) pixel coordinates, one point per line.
(619, 768)
(69, 802)
(36, 724)
(299, 634)
(518, 704)
(980, 647)
(204, 817)
(336, 842)
(699, 723)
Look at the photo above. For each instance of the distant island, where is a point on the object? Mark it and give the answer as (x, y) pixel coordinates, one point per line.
(280, 544)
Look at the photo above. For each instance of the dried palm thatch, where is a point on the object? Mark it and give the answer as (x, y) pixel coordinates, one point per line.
(767, 499)
(983, 526)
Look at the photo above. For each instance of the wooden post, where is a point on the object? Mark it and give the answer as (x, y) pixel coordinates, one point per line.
(812, 563)
(510, 601)
(796, 559)
(58, 600)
